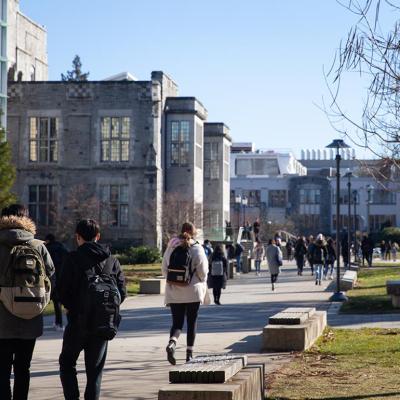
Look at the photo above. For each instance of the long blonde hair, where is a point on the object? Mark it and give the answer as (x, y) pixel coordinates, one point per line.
(188, 232)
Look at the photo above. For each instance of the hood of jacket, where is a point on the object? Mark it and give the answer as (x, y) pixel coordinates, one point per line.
(92, 253)
(15, 230)
(320, 243)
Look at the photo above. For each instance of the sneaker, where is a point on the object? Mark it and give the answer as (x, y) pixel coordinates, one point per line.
(170, 349)
(316, 282)
(319, 282)
(189, 355)
(324, 278)
(331, 277)
(59, 328)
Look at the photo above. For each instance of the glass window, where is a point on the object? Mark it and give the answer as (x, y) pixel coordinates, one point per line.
(43, 139)
(42, 204)
(115, 208)
(381, 196)
(310, 196)
(277, 198)
(180, 143)
(115, 139)
(253, 197)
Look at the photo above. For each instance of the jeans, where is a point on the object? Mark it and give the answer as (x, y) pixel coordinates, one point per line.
(326, 268)
(318, 271)
(258, 265)
(16, 354)
(239, 263)
(179, 310)
(95, 357)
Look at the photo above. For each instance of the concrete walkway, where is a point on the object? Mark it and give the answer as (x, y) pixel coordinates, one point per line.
(136, 367)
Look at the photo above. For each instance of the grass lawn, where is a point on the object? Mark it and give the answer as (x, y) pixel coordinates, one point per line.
(134, 273)
(345, 364)
(370, 294)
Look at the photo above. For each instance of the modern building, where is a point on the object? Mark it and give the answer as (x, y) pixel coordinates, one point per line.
(132, 149)
(278, 188)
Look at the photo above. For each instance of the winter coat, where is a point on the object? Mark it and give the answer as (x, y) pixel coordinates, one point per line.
(258, 253)
(318, 254)
(86, 257)
(300, 250)
(331, 256)
(238, 250)
(196, 291)
(218, 282)
(14, 231)
(58, 253)
(274, 258)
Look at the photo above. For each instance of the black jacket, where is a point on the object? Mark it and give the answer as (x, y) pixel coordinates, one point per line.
(77, 262)
(319, 253)
(58, 253)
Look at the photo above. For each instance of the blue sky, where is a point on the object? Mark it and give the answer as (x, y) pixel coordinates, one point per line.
(256, 65)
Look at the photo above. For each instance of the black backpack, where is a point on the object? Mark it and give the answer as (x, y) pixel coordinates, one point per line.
(180, 266)
(100, 300)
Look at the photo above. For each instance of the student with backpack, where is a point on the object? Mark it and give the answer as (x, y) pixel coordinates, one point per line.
(319, 256)
(217, 274)
(20, 322)
(185, 266)
(238, 254)
(58, 253)
(91, 288)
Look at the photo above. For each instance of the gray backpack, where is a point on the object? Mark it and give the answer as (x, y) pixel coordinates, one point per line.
(217, 268)
(24, 285)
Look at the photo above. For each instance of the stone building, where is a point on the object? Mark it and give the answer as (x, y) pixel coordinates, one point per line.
(26, 46)
(3, 62)
(121, 146)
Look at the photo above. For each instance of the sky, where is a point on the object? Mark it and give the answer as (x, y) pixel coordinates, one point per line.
(256, 65)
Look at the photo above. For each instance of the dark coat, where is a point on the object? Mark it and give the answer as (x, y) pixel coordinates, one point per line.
(319, 253)
(218, 282)
(58, 253)
(77, 262)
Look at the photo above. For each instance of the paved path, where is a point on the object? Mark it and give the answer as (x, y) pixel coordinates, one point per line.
(136, 365)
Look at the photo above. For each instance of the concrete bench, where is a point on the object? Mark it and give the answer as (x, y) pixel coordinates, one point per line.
(348, 280)
(294, 329)
(393, 289)
(152, 285)
(247, 384)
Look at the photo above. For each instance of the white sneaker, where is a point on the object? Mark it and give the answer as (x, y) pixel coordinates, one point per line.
(59, 328)
(331, 277)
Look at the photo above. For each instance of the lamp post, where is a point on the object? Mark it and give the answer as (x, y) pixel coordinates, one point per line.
(338, 144)
(238, 201)
(348, 175)
(244, 203)
(355, 225)
(370, 188)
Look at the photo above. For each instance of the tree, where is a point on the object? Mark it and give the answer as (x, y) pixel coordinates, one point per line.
(7, 172)
(76, 74)
(372, 49)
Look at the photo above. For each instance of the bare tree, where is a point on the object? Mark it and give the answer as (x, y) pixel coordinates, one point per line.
(372, 49)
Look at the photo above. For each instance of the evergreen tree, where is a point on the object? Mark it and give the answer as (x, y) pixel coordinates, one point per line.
(76, 75)
(7, 172)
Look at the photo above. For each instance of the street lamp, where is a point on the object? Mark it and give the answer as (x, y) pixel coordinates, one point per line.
(348, 175)
(370, 188)
(355, 226)
(238, 201)
(338, 144)
(244, 203)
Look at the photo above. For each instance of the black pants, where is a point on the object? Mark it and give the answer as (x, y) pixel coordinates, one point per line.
(15, 354)
(179, 310)
(300, 263)
(274, 278)
(217, 293)
(58, 312)
(95, 357)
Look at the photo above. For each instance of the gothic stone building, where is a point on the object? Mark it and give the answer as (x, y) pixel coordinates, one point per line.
(118, 146)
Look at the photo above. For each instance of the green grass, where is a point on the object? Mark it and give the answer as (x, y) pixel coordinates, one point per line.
(369, 297)
(134, 273)
(344, 364)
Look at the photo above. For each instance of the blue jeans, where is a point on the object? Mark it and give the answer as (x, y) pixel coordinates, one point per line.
(238, 263)
(258, 265)
(95, 357)
(318, 271)
(326, 269)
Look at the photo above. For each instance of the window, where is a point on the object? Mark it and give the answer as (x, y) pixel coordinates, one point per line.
(180, 142)
(115, 135)
(42, 204)
(378, 222)
(309, 222)
(43, 139)
(277, 198)
(380, 196)
(310, 196)
(343, 198)
(253, 197)
(114, 207)
(257, 166)
(211, 161)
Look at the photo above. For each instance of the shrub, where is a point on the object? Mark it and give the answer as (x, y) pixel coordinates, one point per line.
(391, 233)
(139, 255)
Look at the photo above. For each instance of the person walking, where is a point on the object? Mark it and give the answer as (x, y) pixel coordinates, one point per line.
(367, 248)
(18, 335)
(382, 248)
(256, 228)
(238, 254)
(310, 249)
(289, 249)
(274, 259)
(330, 260)
(258, 255)
(300, 252)
(388, 247)
(319, 256)
(208, 249)
(217, 273)
(58, 253)
(185, 266)
(394, 250)
(82, 268)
